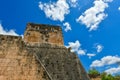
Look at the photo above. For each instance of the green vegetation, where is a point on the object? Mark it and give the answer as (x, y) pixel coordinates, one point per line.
(93, 73)
(105, 76)
(117, 77)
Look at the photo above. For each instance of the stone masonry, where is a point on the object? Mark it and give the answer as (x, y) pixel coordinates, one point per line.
(40, 55)
(40, 33)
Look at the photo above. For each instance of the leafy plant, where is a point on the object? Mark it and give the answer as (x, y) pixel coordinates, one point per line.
(93, 73)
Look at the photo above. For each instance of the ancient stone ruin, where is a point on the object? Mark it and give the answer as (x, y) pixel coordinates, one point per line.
(40, 55)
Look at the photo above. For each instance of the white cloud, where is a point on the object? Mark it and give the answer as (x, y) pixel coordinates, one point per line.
(99, 48)
(76, 47)
(73, 3)
(107, 60)
(93, 16)
(91, 55)
(113, 70)
(81, 52)
(119, 8)
(4, 32)
(67, 25)
(55, 11)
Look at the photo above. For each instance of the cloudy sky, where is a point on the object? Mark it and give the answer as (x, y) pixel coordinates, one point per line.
(90, 27)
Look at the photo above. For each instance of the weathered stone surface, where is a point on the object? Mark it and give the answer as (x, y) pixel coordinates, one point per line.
(59, 62)
(43, 34)
(97, 78)
(35, 59)
(16, 63)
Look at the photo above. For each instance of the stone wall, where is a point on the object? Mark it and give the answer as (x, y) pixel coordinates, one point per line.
(32, 58)
(97, 78)
(16, 63)
(40, 33)
(22, 61)
(59, 62)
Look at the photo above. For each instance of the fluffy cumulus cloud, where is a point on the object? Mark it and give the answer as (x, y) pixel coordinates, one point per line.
(99, 48)
(113, 70)
(93, 16)
(67, 26)
(91, 55)
(4, 32)
(107, 60)
(76, 47)
(56, 10)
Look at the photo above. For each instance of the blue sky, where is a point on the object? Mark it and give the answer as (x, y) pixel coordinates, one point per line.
(90, 27)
